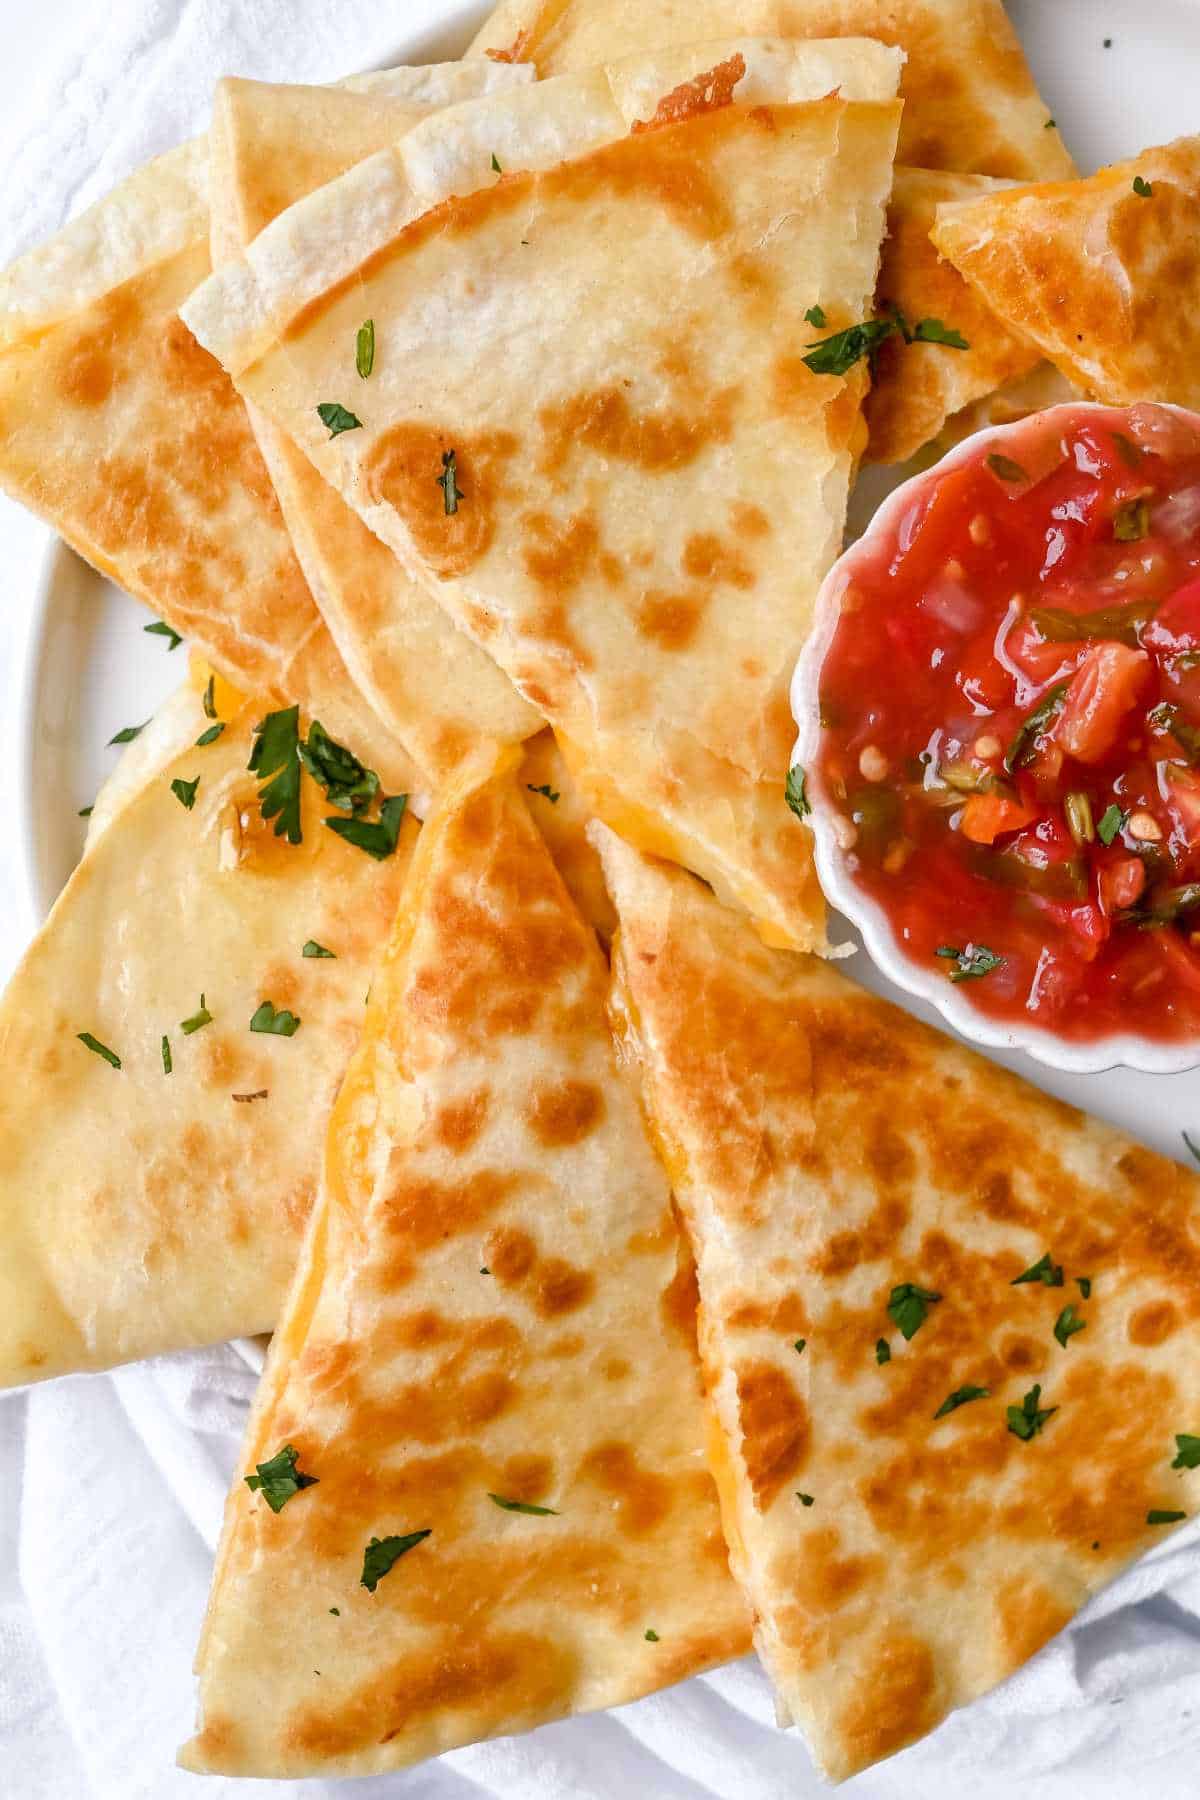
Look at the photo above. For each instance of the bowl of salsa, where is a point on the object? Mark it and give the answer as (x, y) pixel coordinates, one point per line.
(999, 736)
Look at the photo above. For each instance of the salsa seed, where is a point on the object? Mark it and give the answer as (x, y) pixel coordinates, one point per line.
(979, 531)
(897, 856)
(954, 570)
(873, 764)
(1144, 827)
(845, 833)
(988, 747)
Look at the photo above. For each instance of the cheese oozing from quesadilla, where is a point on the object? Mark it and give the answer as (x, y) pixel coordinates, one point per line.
(437, 691)
(487, 1364)
(949, 1324)
(159, 1154)
(600, 447)
(1097, 274)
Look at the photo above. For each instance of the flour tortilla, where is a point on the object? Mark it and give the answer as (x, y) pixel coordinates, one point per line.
(131, 442)
(824, 1148)
(436, 690)
(1099, 277)
(653, 482)
(970, 101)
(144, 1211)
(914, 387)
(493, 1299)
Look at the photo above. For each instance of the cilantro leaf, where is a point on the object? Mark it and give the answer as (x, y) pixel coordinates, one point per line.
(1028, 1419)
(1005, 468)
(210, 736)
(381, 1554)
(1036, 722)
(800, 1345)
(273, 1023)
(933, 331)
(337, 418)
(1112, 820)
(127, 733)
(85, 812)
(971, 963)
(816, 316)
(198, 1019)
(276, 755)
(1194, 1148)
(1131, 521)
(364, 348)
(99, 1049)
(1157, 1516)
(795, 791)
(448, 481)
(312, 948)
(210, 704)
(1067, 1324)
(883, 1351)
(838, 354)
(1142, 188)
(348, 784)
(804, 1499)
(167, 1064)
(378, 837)
(1084, 1284)
(185, 791)
(961, 1397)
(1189, 1451)
(523, 1506)
(159, 629)
(279, 1478)
(553, 795)
(651, 1637)
(1045, 1270)
(908, 1307)
(496, 165)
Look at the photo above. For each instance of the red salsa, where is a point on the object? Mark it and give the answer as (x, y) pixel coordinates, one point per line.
(1010, 712)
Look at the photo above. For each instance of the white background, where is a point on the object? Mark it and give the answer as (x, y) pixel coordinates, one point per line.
(111, 1488)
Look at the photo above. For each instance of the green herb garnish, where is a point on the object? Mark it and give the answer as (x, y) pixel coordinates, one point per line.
(1045, 1270)
(448, 481)
(127, 733)
(1131, 521)
(381, 1554)
(274, 1023)
(933, 331)
(804, 1499)
(1157, 1516)
(276, 754)
(1112, 821)
(1188, 1448)
(185, 791)
(210, 736)
(312, 948)
(364, 348)
(651, 1637)
(1084, 1284)
(838, 354)
(210, 704)
(279, 1479)
(377, 837)
(167, 1064)
(1026, 1421)
(199, 1018)
(337, 418)
(1118, 624)
(348, 784)
(1035, 723)
(1067, 1324)
(85, 812)
(1005, 468)
(99, 1049)
(799, 1346)
(971, 963)
(815, 316)
(161, 629)
(523, 1506)
(908, 1307)
(495, 165)
(551, 794)
(883, 1351)
(961, 1397)
(1194, 1148)
(794, 791)
(1142, 188)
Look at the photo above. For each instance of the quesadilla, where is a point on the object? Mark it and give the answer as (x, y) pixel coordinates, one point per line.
(1084, 270)
(486, 1365)
(617, 473)
(949, 1324)
(427, 680)
(970, 101)
(915, 385)
(131, 442)
(159, 1152)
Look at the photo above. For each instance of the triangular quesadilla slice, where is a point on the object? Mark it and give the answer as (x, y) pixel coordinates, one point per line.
(961, 350)
(434, 687)
(1097, 274)
(159, 1151)
(948, 1323)
(615, 471)
(486, 1365)
(970, 101)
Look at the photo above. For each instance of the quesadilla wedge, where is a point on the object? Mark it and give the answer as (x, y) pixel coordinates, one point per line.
(617, 473)
(427, 680)
(949, 1324)
(970, 101)
(1095, 273)
(159, 1154)
(486, 1365)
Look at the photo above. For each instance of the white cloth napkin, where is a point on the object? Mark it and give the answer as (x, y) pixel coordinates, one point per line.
(111, 1487)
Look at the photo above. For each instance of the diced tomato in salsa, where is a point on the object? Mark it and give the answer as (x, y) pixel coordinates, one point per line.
(1011, 722)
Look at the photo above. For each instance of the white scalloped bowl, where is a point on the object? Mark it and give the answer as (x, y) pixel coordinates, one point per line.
(1128, 1050)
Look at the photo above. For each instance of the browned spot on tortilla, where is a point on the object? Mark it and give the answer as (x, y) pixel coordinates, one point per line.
(643, 1498)
(1153, 1323)
(894, 1702)
(510, 1254)
(1028, 1616)
(749, 520)
(704, 93)
(402, 469)
(706, 557)
(459, 1122)
(670, 620)
(655, 439)
(559, 1288)
(566, 1114)
(775, 1428)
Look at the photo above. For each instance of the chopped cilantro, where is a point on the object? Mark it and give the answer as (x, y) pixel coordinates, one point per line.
(1045, 1270)
(1084, 1284)
(209, 736)
(553, 795)
(961, 1397)
(337, 418)
(1131, 521)
(336, 1612)
(364, 348)
(85, 812)
(279, 1478)
(496, 165)
(127, 733)
(99, 1049)
(312, 948)
(908, 1307)
(258, 1094)
(1143, 190)
(274, 1023)
(1112, 820)
(276, 755)
(1032, 726)
(1028, 1419)
(1188, 1448)
(522, 1506)
(804, 1499)
(1005, 469)
(815, 316)
(883, 1351)
(1158, 1516)
(377, 837)
(651, 1637)
(168, 1065)
(448, 481)
(971, 963)
(1049, 124)
(799, 1346)
(933, 331)
(1108, 43)
(159, 629)
(1067, 1324)
(198, 1019)
(348, 784)
(838, 354)
(794, 791)
(185, 791)
(210, 704)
